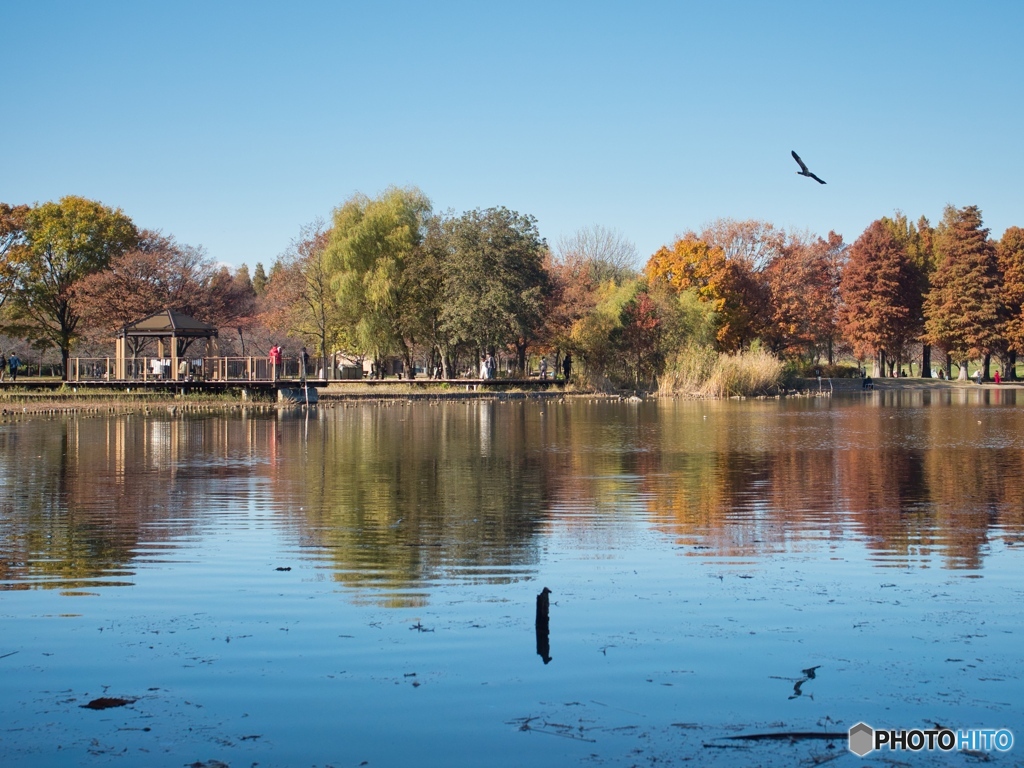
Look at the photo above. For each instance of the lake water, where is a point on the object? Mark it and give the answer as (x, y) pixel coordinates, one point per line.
(356, 585)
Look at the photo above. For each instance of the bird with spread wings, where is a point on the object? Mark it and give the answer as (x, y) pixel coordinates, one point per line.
(803, 168)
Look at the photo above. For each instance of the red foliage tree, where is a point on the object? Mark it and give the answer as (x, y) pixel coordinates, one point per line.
(881, 300)
(1010, 254)
(803, 285)
(638, 337)
(160, 274)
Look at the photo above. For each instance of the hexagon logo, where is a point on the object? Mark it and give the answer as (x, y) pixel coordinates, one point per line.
(862, 739)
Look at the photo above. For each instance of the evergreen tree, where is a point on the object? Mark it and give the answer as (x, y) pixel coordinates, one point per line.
(259, 279)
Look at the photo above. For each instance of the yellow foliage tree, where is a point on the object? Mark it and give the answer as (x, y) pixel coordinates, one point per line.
(729, 286)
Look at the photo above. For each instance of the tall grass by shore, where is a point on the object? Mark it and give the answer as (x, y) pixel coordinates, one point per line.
(701, 372)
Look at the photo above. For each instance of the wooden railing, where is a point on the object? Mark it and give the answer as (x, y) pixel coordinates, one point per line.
(238, 369)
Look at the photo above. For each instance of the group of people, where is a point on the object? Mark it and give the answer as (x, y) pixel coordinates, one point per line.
(489, 368)
(566, 366)
(9, 364)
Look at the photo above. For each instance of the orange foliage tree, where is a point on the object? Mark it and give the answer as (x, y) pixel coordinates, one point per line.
(962, 309)
(881, 300)
(730, 286)
(803, 285)
(1010, 253)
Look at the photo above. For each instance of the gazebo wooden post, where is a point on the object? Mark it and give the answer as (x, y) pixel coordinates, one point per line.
(119, 372)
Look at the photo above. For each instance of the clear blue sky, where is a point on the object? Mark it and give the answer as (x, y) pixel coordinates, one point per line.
(232, 124)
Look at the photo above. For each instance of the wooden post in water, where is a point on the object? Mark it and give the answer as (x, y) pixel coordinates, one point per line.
(542, 626)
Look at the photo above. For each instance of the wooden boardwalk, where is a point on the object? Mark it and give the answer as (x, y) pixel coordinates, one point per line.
(268, 387)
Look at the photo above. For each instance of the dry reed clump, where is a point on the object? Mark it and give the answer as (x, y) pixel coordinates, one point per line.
(702, 372)
(687, 371)
(745, 373)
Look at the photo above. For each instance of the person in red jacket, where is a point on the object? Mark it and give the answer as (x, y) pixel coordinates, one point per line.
(275, 361)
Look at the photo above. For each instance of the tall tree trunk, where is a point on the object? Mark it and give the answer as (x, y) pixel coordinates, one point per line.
(926, 361)
(949, 366)
(879, 365)
(985, 367)
(1010, 368)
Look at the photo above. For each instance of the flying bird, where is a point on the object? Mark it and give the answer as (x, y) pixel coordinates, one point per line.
(803, 168)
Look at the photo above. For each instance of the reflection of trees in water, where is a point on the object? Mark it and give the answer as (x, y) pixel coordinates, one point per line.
(398, 495)
(84, 494)
(915, 484)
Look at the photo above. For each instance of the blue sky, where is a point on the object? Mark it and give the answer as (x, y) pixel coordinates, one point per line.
(232, 124)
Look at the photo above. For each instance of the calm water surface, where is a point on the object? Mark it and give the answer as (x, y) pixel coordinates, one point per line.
(356, 585)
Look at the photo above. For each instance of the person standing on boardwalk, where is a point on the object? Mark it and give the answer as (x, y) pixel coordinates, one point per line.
(567, 365)
(304, 362)
(275, 361)
(13, 364)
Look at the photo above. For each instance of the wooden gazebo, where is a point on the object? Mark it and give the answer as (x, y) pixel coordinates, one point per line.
(174, 334)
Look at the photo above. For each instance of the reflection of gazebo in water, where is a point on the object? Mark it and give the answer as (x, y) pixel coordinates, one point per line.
(174, 334)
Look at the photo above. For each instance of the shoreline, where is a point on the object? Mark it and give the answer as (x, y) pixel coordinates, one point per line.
(28, 402)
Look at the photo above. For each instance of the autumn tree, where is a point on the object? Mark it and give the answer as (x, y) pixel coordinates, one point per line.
(368, 252)
(301, 298)
(962, 309)
(638, 338)
(917, 241)
(803, 286)
(135, 284)
(494, 281)
(881, 302)
(594, 335)
(1010, 253)
(160, 273)
(733, 290)
(577, 267)
(64, 242)
(12, 234)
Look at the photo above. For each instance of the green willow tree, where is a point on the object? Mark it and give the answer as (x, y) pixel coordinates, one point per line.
(371, 246)
(962, 309)
(63, 243)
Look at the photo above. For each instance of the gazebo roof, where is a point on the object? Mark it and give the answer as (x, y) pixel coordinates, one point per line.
(168, 323)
